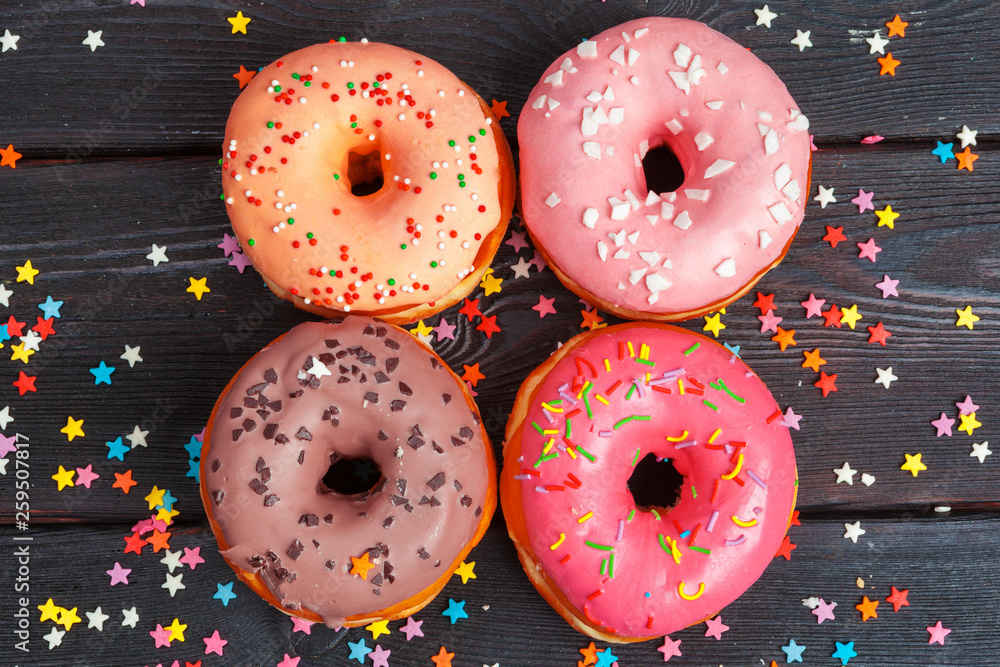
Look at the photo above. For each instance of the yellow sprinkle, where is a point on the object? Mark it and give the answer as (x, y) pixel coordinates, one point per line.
(631, 350)
(674, 551)
(551, 408)
(583, 389)
(680, 591)
(678, 438)
(554, 546)
(601, 399)
(744, 524)
(607, 365)
(644, 352)
(680, 386)
(647, 379)
(571, 453)
(548, 446)
(736, 470)
(550, 431)
(714, 435)
(585, 517)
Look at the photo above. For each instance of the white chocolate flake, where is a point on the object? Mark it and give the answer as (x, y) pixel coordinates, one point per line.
(683, 220)
(618, 55)
(609, 94)
(722, 67)
(782, 175)
(619, 209)
(703, 140)
(718, 167)
(792, 190)
(590, 217)
(726, 268)
(616, 116)
(765, 239)
(621, 254)
(633, 237)
(652, 198)
(666, 210)
(640, 32)
(674, 126)
(696, 193)
(592, 149)
(552, 200)
(682, 55)
(537, 104)
(587, 49)
(780, 213)
(602, 250)
(555, 79)
(714, 105)
(633, 56)
(651, 257)
(656, 283)
(771, 143)
(594, 97)
(635, 275)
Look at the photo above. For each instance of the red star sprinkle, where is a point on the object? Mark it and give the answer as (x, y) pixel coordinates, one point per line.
(832, 316)
(134, 543)
(25, 383)
(765, 303)
(488, 326)
(499, 109)
(44, 327)
(244, 76)
(826, 383)
(15, 328)
(898, 598)
(834, 235)
(795, 519)
(786, 548)
(471, 309)
(591, 319)
(472, 374)
(878, 334)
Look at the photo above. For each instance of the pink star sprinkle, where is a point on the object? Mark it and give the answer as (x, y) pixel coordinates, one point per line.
(544, 306)
(869, 250)
(824, 611)
(6, 445)
(141, 3)
(943, 425)
(289, 661)
(192, 557)
(938, 633)
(873, 139)
(444, 330)
(538, 261)
(84, 476)
(966, 407)
(380, 656)
(517, 241)
(813, 306)
(670, 648)
(412, 628)
(214, 643)
(888, 287)
(790, 419)
(769, 322)
(240, 261)
(301, 625)
(160, 636)
(715, 627)
(229, 245)
(864, 201)
(119, 575)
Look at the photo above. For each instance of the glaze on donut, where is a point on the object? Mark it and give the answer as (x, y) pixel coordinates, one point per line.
(581, 423)
(737, 133)
(330, 118)
(352, 389)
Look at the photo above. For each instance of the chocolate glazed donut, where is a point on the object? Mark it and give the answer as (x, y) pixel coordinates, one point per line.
(350, 389)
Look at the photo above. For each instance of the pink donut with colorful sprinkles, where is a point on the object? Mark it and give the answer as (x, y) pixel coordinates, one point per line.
(736, 132)
(621, 558)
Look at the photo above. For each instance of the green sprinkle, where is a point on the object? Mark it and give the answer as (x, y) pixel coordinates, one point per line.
(307, 84)
(433, 175)
(537, 427)
(569, 428)
(692, 349)
(402, 246)
(726, 389)
(451, 143)
(604, 565)
(546, 457)
(291, 221)
(391, 281)
(310, 235)
(601, 547)
(461, 177)
(350, 85)
(375, 84)
(702, 550)
(270, 124)
(336, 177)
(709, 404)
(277, 89)
(434, 265)
(472, 139)
(333, 273)
(641, 418)
(461, 184)
(631, 515)
(341, 39)
(590, 385)
(646, 361)
(663, 545)
(654, 513)
(586, 402)
(622, 422)
(294, 75)
(222, 197)
(694, 492)
(593, 458)
(354, 124)
(251, 242)
(635, 459)
(482, 132)
(611, 565)
(628, 396)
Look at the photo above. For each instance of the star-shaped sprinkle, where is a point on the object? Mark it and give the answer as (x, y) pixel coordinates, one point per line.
(868, 250)
(802, 39)
(499, 109)
(24, 383)
(714, 324)
(54, 637)
(521, 268)
(670, 648)
(359, 651)
(834, 235)
(131, 617)
(31, 341)
(813, 360)
(472, 374)
(845, 474)
(378, 629)
(544, 306)
(938, 633)
(289, 661)
(159, 254)
(20, 353)
(981, 450)
(173, 583)
(102, 373)
(412, 628)
(715, 627)
(224, 593)
(124, 481)
(966, 158)
(455, 611)
(852, 531)
(876, 43)
(172, 559)
(826, 383)
(850, 316)
(96, 618)
(9, 41)
(943, 151)
(897, 27)
(159, 541)
(786, 548)
(137, 438)
(176, 629)
(764, 303)
(825, 197)
(867, 609)
(885, 376)
(192, 557)
(465, 571)
(488, 325)
(844, 652)
(5, 295)
(790, 419)
(50, 611)
(793, 651)
(72, 429)
(538, 261)
(824, 611)
(784, 338)
(43, 328)
(51, 308)
(443, 658)
(969, 423)
(214, 643)
(198, 287)
(888, 287)
(25, 273)
(898, 598)
(93, 40)
(9, 158)
(606, 658)
(7, 445)
(161, 636)
(360, 566)
(243, 76)
(85, 476)
(517, 241)
(878, 334)
(421, 330)
(764, 16)
(117, 449)
(887, 217)
(863, 200)
(769, 322)
(64, 478)
(943, 425)
(131, 356)
(965, 317)
(380, 656)
(239, 23)
(887, 65)
(913, 464)
(813, 306)
(444, 330)
(966, 407)
(240, 261)
(68, 618)
(967, 136)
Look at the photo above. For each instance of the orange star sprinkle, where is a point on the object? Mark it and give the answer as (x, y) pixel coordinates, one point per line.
(867, 609)
(897, 27)
(591, 319)
(966, 158)
(589, 654)
(158, 540)
(9, 156)
(784, 338)
(443, 658)
(472, 374)
(361, 566)
(499, 109)
(813, 360)
(124, 481)
(888, 64)
(244, 76)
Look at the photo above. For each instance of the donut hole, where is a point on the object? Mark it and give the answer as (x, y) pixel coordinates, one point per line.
(662, 170)
(655, 484)
(350, 477)
(364, 173)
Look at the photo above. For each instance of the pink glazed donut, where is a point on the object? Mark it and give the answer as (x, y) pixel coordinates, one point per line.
(610, 402)
(738, 135)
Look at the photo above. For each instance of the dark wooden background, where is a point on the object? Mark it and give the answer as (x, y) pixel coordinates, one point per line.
(120, 151)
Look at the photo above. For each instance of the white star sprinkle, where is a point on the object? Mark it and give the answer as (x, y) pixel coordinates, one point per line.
(967, 136)
(5, 295)
(31, 341)
(853, 531)
(173, 584)
(5, 417)
(845, 474)
(9, 41)
(158, 255)
(521, 268)
(825, 197)
(172, 560)
(3, 466)
(131, 617)
(877, 43)
(981, 450)
(54, 638)
(137, 438)
(764, 16)
(885, 376)
(97, 618)
(93, 40)
(131, 355)
(802, 39)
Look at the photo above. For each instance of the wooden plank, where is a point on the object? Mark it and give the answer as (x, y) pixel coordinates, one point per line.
(939, 560)
(88, 227)
(163, 83)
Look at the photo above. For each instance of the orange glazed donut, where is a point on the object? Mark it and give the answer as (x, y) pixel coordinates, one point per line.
(661, 254)
(622, 551)
(332, 393)
(362, 177)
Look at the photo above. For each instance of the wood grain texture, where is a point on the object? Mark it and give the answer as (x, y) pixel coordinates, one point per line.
(163, 83)
(519, 628)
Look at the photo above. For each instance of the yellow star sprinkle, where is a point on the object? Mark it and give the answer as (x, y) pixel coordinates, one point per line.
(198, 287)
(969, 423)
(465, 571)
(67, 617)
(72, 428)
(886, 217)
(965, 317)
(176, 630)
(850, 316)
(50, 611)
(155, 497)
(490, 283)
(163, 514)
(64, 478)
(421, 329)
(378, 629)
(26, 273)
(714, 324)
(239, 23)
(913, 464)
(20, 353)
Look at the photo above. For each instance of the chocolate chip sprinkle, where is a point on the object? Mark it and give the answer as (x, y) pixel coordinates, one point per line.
(258, 487)
(391, 363)
(237, 432)
(257, 388)
(302, 456)
(391, 344)
(380, 377)
(328, 518)
(218, 495)
(458, 485)
(330, 564)
(382, 435)
(235, 412)
(309, 520)
(422, 552)
(446, 398)
(303, 434)
(332, 343)
(260, 465)
(295, 550)
(405, 390)
(250, 402)
(250, 425)
(369, 330)
(270, 430)
(271, 376)
(466, 432)
(371, 397)
(397, 405)
(466, 501)
(215, 465)
(271, 500)
(388, 522)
